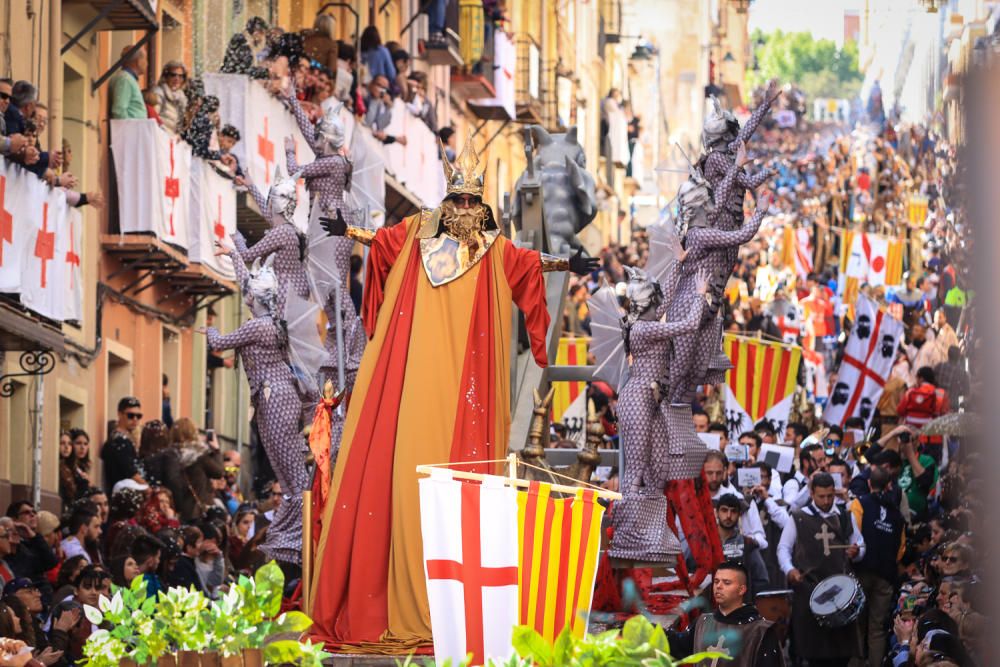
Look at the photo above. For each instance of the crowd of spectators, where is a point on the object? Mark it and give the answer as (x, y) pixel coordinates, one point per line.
(907, 499)
(23, 119)
(168, 510)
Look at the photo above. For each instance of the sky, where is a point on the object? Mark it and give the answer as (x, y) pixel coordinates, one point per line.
(823, 18)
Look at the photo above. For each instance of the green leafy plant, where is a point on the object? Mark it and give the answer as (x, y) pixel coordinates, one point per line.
(247, 615)
(640, 643)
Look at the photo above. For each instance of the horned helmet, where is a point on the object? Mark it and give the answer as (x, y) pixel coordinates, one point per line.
(260, 290)
(330, 132)
(281, 199)
(696, 202)
(644, 295)
(720, 124)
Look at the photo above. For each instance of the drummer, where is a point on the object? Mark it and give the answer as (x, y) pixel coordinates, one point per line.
(820, 541)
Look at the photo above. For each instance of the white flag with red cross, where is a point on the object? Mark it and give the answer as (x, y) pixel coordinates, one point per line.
(470, 538)
(42, 285)
(17, 188)
(213, 217)
(868, 358)
(174, 155)
(153, 170)
(70, 249)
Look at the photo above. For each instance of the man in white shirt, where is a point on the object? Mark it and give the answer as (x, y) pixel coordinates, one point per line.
(795, 492)
(715, 468)
(84, 528)
(819, 542)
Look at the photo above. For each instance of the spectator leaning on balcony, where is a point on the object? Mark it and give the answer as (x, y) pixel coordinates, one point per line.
(170, 90)
(419, 105)
(401, 86)
(321, 43)
(378, 103)
(14, 146)
(126, 95)
(19, 119)
(376, 57)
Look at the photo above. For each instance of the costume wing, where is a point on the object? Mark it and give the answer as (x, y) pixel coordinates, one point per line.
(664, 249)
(305, 346)
(606, 343)
(327, 268)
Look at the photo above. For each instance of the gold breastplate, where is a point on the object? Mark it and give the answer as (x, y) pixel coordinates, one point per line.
(446, 258)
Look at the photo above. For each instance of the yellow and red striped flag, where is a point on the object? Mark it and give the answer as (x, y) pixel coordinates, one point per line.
(760, 384)
(571, 352)
(560, 540)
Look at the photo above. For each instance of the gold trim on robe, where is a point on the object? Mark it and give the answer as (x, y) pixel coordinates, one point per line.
(446, 258)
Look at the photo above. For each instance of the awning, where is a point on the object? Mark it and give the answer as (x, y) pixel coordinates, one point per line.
(20, 329)
(115, 15)
(143, 254)
(399, 201)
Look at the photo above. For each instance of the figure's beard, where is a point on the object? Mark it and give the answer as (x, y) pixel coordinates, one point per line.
(463, 224)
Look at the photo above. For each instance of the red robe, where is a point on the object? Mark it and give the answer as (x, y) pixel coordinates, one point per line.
(433, 387)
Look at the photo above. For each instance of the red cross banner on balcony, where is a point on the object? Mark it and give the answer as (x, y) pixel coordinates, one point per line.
(153, 174)
(263, 122)
(213, 217)
(471, 563)
(40, 245)
(867, 363)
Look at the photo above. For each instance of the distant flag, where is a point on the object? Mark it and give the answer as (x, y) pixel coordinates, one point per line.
(867, 362)
(797, 250)
(760, 384)
(571, 352)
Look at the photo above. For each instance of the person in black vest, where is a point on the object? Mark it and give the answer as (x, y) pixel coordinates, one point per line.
(757, 642)
(819, 542)
(882, 529)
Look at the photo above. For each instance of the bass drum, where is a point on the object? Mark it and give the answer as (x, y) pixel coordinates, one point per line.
(837, 601)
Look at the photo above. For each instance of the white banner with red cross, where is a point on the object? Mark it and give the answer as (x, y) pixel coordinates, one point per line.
(40, 245)
(213, 216)
(263, 122)
(153, 170)
(470, 538)
(868, 358)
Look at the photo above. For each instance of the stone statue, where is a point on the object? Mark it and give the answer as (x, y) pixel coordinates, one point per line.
(569, 201)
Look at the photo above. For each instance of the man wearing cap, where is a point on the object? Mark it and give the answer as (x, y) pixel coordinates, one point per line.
(120, 453)
(33, 557)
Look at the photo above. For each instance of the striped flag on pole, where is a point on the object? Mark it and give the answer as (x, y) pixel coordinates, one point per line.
(760, 384)
(560, 538)
(571, 352)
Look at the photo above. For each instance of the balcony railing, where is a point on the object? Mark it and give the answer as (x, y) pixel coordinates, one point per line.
(172, 207)
(389, 181)
(41, 246)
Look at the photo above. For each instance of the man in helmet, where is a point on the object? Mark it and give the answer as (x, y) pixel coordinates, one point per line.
(433, 386)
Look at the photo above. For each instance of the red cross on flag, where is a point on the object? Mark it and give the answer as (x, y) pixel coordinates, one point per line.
(44, 283)
(797, 250)
(15, 189)
(868, 358)
(213, 217)
(470, 536)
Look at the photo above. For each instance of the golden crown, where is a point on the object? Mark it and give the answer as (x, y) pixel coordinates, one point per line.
(464, 176)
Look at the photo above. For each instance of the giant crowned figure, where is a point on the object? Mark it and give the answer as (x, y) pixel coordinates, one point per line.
(433, 387)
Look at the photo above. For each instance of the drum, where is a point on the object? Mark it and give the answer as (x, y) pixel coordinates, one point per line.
(837, 601)
(776, 606)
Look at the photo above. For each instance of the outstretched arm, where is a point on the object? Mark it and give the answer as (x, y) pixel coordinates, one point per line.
(339, 227)
(249, 333)
(755, 181)
(302, 119)
(291, 163)
(664, 330)
(708, 238)
(270, 243)
(770, 95)
(577, 263)
(258, 197)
